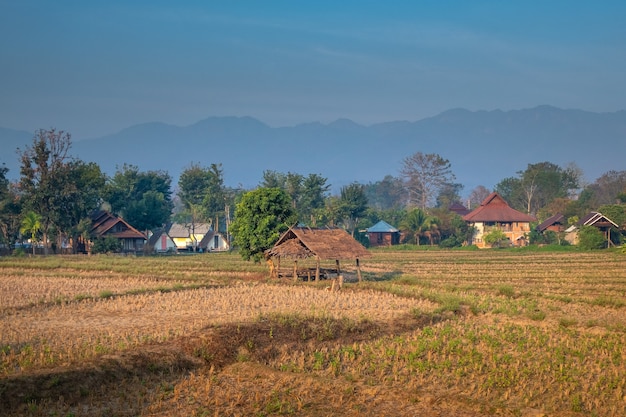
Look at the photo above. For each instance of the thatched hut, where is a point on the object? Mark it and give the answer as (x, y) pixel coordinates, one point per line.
(299, 243)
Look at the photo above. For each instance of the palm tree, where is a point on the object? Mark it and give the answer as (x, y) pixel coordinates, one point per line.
(31, 223)
(419, 224)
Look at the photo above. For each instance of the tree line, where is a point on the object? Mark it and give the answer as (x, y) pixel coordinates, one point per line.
(56, 193)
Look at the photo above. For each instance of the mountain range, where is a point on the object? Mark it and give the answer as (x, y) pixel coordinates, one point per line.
(483, 147)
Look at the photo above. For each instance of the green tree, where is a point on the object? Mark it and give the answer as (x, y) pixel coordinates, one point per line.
(424, 176)
(312, 198)
(31, 224)
(539, 185)
(43, 176)
(352, 205)
(260, 218)
(143, 199)
(388, 193)
(590, 237)
(418, 224)
(10, 209)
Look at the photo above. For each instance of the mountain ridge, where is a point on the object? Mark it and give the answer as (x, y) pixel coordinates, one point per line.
(483, 146)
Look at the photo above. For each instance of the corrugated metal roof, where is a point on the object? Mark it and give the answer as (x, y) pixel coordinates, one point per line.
(382, 227)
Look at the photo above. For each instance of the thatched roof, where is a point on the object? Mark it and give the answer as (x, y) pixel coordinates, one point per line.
(324, 244)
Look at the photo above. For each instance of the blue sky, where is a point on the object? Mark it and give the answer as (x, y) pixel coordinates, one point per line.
(94, 68)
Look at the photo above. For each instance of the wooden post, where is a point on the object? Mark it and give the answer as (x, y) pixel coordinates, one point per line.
(358, 270)
(317, 269)
(338, 269)
(278, 268)
(295, 270)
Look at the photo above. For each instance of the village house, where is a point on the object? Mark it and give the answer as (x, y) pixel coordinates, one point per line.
(105, 224)
(495, 213)
(595, 219)
(383, 234)
(188, 236)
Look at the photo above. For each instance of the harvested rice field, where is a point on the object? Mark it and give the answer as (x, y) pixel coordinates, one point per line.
(427, 332)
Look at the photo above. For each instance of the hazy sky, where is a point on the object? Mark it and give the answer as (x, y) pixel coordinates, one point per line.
(93, 68)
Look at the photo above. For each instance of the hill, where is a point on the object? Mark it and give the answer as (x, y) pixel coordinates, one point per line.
(483, 146)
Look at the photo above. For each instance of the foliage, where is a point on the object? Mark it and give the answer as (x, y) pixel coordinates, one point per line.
(418, 224)
(43, 180)
(31, 224)
(607, 189)
(10, 208)
(352, 205)
(538, 185)
(386, 194)
(106, 244)
(424, 176)
(590, 237)
(477, 196)
(260, 218)
(495, 238)
(307, 194)
(202, 192)
(143, 199)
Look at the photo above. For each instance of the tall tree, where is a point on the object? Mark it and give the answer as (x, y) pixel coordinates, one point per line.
(424, 175)
(260, 218)
(538, 185)
(143, 199)
(387, 193)
(43, 170)
(477, 196)
(352, 205)
(314, 191)
(10, 208)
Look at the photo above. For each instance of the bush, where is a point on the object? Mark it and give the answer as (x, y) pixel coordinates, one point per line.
(590, 237)
(106, 244)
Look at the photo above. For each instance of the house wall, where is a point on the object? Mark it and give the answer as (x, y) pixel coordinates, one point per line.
(514, 231)
(383, 239)
(218, 244)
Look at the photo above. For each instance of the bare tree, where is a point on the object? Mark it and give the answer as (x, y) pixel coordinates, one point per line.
(477, 196)
(424, 176)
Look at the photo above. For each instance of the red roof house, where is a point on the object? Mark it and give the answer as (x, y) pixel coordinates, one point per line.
(105, 224)
(495, 213)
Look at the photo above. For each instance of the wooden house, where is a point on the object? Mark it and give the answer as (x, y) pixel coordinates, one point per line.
(556, 223)
(459, 209)
(301, 243)
(495, 213)
(104, 224)
(383, 234)
(595, 219)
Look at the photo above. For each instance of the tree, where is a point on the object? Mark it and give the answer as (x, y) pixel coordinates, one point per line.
(418, 223)
(496, 238)
(539, 185)
(143, 199)
(31, 224)
(449, 194)
(352, 205)
(43, 174)
(260, 218)
(607, 189)
(424, 175)
(313, 194)
(388, 193)
(477, 196)
(10, 209)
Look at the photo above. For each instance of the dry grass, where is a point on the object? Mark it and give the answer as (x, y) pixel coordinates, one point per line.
(428, 333)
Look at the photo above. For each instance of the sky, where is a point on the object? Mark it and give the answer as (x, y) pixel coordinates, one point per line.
(94, 68)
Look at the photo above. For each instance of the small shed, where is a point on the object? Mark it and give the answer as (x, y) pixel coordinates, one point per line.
(383, 234)
(322, 244)
(214, 242)
(595, 219)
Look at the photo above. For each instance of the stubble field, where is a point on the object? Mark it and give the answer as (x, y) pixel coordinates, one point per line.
(431, 333)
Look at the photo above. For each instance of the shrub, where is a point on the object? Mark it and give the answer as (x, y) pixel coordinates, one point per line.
(590, 237)
(106, 244)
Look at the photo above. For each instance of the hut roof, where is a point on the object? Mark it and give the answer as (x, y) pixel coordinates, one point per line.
(382, 227)
(325, 244)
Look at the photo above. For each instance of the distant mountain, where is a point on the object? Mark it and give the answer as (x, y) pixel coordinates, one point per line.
(483, 147)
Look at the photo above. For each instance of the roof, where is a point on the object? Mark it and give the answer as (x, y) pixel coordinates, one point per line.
(550, 221)
(325, 244)
(102, 222)
(156, 236)
(183, 230)
(459, 208)
(382, 227)
(596, 218)
(495, 209)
